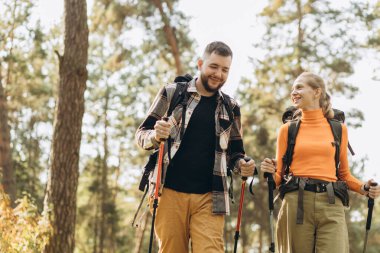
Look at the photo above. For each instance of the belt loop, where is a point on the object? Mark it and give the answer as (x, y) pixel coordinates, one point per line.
(330, 193)
(301, 188)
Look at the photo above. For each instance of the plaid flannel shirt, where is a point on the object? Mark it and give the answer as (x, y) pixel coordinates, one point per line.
(229, 144)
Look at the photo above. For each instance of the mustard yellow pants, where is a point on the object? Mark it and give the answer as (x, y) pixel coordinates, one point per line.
(181, 216)
(324, 228)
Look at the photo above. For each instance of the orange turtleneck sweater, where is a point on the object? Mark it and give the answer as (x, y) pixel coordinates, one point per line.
(313, 152)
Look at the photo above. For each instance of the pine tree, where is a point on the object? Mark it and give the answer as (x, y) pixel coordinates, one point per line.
(64, 171)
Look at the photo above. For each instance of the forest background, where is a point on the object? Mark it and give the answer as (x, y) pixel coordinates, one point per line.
(77, 77)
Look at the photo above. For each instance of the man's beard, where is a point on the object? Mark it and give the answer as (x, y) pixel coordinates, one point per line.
(204, 81)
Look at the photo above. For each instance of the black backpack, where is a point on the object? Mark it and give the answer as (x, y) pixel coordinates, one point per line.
(180, 96)
(294, 125)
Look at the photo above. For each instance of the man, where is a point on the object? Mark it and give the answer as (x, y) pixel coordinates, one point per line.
(194, 198)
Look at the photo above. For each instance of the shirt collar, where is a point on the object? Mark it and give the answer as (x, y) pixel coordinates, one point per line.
(193, 89)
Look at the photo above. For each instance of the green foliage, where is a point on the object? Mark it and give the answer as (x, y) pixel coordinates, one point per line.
(28, 72)
(22, 229)
(370, 14)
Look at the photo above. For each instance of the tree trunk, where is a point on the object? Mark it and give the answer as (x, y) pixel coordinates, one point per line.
(6, 165)
(63, 175)
(170, 36)
(6, 168)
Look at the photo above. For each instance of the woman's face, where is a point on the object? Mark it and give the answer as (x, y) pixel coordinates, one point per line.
(304, 96)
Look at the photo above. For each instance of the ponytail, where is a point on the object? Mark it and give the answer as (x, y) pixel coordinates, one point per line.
(325, 103)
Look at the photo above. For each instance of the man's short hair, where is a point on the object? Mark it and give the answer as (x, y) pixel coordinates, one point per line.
(219, 48)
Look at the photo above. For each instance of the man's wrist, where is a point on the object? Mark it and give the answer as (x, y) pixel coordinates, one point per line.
(154, 141)
(236, 169)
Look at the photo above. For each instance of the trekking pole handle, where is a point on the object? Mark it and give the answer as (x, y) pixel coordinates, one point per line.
(246, 159)
(269, 177)
(164, 119)
(371, 203)
(371, 200)
(367, 189)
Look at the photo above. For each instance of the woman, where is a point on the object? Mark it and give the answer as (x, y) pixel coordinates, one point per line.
(311, 219)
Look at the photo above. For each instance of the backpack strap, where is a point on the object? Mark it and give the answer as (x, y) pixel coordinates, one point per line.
(339, 116)
(178, 96)
(336, 128)
(180, 93)
(287, 159)
(228, 105)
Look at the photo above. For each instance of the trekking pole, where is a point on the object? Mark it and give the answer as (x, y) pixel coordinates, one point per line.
(271, 186)
(240, 211)
(157, 188)
(371, 203)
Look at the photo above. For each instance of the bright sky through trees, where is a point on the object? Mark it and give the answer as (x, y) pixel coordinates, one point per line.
(237, 25)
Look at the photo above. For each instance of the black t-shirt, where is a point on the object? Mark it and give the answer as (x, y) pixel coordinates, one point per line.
(191, 169)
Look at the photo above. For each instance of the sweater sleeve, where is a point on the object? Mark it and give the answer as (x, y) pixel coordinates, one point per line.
(353, 183)
(282, 141)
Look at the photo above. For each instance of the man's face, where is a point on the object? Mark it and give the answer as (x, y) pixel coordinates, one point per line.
(214, 70)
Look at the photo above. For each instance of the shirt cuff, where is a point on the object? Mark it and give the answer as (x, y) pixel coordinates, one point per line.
(236, 168)
(150, 142)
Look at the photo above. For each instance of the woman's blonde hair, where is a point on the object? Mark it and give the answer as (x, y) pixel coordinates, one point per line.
(315, 82)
